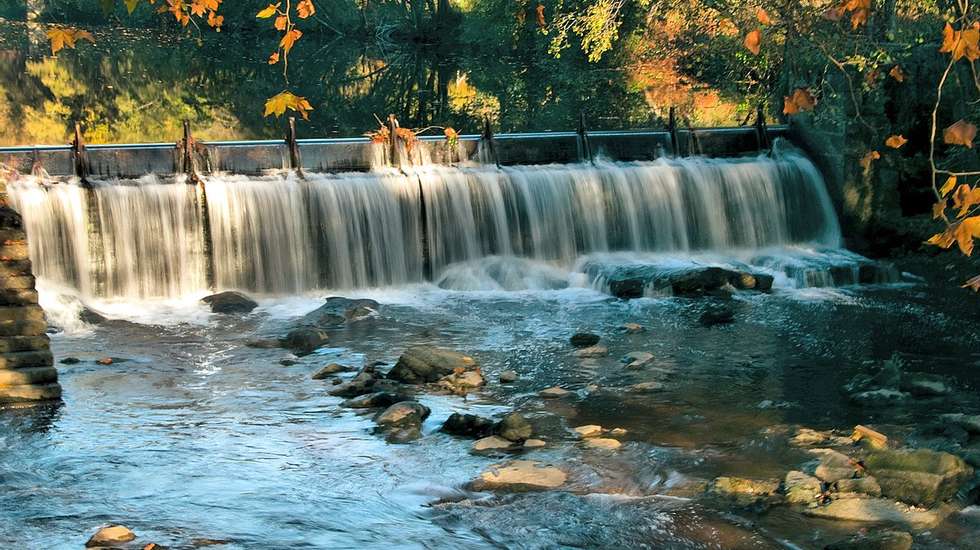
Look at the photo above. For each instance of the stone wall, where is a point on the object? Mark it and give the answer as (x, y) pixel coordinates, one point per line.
(27, 370)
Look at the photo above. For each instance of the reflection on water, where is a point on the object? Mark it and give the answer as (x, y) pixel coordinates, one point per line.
(195, 437)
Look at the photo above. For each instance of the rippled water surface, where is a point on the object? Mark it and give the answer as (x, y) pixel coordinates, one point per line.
(193, 439)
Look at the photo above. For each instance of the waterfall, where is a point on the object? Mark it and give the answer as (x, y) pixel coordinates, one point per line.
(278, 234)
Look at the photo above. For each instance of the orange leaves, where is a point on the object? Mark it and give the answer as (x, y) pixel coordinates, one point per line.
(763, 16)
(66, 37)
(274, 58)
(289, 39)
(277, 105)
(753, 41)
(869, 159)
(539, 16)
(268, 11)
(859, 10)
(966, 229)
(962, 43)
(897, 73)
(183, 10)
(961, 133)
(948, 186)
(896, 142)
(801, 100)
(305, 8)
(965, 198)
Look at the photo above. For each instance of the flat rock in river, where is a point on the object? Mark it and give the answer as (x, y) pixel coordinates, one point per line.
(230, 302)
(879, 510)
(421, 364)
(110, 535)
(520, 475)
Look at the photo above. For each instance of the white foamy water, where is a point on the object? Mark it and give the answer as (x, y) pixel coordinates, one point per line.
(279, 235)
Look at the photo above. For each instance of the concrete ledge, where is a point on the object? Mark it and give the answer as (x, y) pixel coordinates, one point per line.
(25, 359)
(27, 392)
(16, 314)
(25, 343)
(31, 376)
(24, 328)
(17, 297)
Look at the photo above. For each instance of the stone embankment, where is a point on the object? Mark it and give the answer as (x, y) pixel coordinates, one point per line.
(27, 370)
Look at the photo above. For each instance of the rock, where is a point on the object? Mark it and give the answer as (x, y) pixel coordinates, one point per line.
(602, 443)
(878, 397)
(289, 361)
(331, 369)
(374, 400)
(513, 427)
(264, 343)
(404, 434)
(304, 340)
(874, 438)
(90, 316)
(638, 359)
(360, 312)
(924, 385)
(583, 340)
(366, 381)
(861, 485)
(591, 430)
(646, 387)
(745, 491)
(422, 364)
(882, 540)
(553, 393)
(592, 352)
(877, 510)
(492, 443)
(468, 425)
(806, 437)
(508, 377)
(534, 444)
(462, 382)
(230, 302)
(405, 413)
(70, 361)
(633, 328)
(801, 488)
(920, 477)
(110, 536)
(719, 314)
(337, 310)
(104, 361)
(618, 432)
(970, 423)
(835, 466)
(520, 475)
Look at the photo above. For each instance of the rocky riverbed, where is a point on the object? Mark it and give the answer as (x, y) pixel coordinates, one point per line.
(811, 418)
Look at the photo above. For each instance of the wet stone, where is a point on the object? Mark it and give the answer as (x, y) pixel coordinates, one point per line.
(720, 314)
(468, 425)
(638, 359)
(329, 370)
(518, 476)
(602, 443)
(921, 476)
(421, 364)
(553, 393)
(801, 488)
(514, 427)
(592, 352)
(492, 443)
(862, 485)
(534, 444)
(230, 302)
(881, 540)
(878, 510)
(405, 413)
(633, 328)
(591, 430)
(508, 377)
(835, 466)
(374, 400)
(583, 340)
(304, 340)
(745, 491)
(110, 536)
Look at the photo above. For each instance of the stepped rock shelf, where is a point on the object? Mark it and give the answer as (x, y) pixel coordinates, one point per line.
(26, 364)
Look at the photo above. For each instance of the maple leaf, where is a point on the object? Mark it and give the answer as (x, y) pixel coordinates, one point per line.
(216, 21)
(753, 41)
(859, 9)
(277, 105)
(961, 133)
(281, 23)
(942, 240)
(965, 198)
(948, 186)
(897, 73)
(274, 58)
(198, 8)
(64, 37)
(289, 39)
(539, 16)
(305, 8)
(939, 210)
(801, 100)
(965, 231)
(268, 12)
(960, 44)
(763, 16)
(896, 142)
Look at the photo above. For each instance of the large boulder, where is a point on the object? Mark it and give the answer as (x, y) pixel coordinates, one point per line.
(801, 488)
(921, 477)
(878, 510)
(513, 427)
(468, 425)
(337, 310)
(421, 364)
(230, 302)
(835, 466)
(402, 414)
(111, 535)
(304, 340)
(745, 492)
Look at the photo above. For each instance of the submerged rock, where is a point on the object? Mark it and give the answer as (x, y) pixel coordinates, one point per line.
(519, 475)
(70, 361)
(508, 377)
(230, 302)
(468, 425)
(421, 364)
(633, 328)
(513, 427)
(110, 535)
(305, 340)
(924, 385)
(718, 314)
(920, 477)
(91, 317)
(592, 352)
(638, 359)
(745, 491)
(264, 343)
(329, 370)
(878, 510)
(553, 393)
(374, 400)
(603, 443)
(646, 387)
(882, 540)
(583, 340)
(337, 310)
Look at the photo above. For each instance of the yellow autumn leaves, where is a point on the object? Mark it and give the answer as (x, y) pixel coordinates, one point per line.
(66, 37)
(279, 103)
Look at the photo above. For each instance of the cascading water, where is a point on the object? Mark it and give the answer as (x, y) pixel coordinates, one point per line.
(278, 234)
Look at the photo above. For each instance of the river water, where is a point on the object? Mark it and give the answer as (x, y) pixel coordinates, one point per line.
(193, 439)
